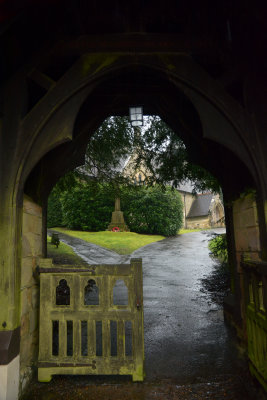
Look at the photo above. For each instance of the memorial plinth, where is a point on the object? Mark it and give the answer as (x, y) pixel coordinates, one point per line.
(117, 219)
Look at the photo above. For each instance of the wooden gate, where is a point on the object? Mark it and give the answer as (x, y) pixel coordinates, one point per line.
(91, 321)
(255, 285)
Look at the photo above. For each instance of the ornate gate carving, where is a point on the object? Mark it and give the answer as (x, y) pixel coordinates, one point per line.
(91, 321)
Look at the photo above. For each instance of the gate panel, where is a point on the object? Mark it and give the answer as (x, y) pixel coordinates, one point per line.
(77, 313)
(255, 285)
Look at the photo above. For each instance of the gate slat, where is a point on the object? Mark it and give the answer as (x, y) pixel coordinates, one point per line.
(121, 339)
(77, 339)
(62, 338)
(106, 338)
(91, 338)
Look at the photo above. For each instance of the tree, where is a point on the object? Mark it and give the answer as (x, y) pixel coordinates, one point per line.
(158, 150)
(54, 209)
(107, 151)
(152, 210)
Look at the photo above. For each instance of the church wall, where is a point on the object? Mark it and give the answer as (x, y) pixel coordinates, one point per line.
(187, 199)
(198, 222)
(217, 217)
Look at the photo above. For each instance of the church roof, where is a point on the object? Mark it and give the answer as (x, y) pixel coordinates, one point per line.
(186, 186)
(200, 206)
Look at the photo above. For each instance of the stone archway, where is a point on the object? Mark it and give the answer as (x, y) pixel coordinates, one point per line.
(67, 128)
(53, 164)
(47, 119)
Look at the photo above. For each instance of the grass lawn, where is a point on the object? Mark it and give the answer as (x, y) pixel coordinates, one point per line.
(63, 254)
(120, 242)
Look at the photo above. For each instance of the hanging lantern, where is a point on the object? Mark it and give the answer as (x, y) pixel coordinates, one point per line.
(136, 115)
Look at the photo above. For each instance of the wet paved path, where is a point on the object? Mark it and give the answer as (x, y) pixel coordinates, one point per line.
(186, 340)
(185, 336)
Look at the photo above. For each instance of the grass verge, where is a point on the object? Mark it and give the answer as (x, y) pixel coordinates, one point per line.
(120, 242)
(63, 254)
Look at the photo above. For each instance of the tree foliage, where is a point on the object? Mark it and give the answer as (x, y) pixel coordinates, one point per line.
(84, 199)
(85, 208)
(165, 156)
(54, 209)
(153, 210)
(158, 150)
(107, 151)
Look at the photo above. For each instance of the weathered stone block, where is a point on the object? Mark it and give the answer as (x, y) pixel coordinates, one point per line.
(45, 262)
(241, 240)
(253, 237)
(26, 301)
(35, 243)
(25, 377)
(35, 297)
(243, 204)
(26, 247)
(29, 296)
(247, 239)
(249, 217)
(26, 350)
(33, 320)
(35, 343)
(237, 217)
(26, 271)
(30, 207)
(25, 324)
(32, 223)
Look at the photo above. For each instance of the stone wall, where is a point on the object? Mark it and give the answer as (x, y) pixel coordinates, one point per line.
(247, 241)
(217, 212)
(198, 222)
(246, 228)
(187, 200)
(31, 251)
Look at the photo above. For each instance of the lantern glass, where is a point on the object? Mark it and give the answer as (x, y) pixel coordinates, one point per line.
(136, 115)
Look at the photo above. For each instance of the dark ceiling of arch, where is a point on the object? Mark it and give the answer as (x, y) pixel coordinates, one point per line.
(222, 36)
(159, 97)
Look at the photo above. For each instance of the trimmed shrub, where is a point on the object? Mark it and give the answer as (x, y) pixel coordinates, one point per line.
(218, 247)
(87, 210)
(153, 210)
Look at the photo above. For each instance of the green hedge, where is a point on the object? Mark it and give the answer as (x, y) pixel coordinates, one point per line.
(86, 209)
(146, 210)
(152, 210)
